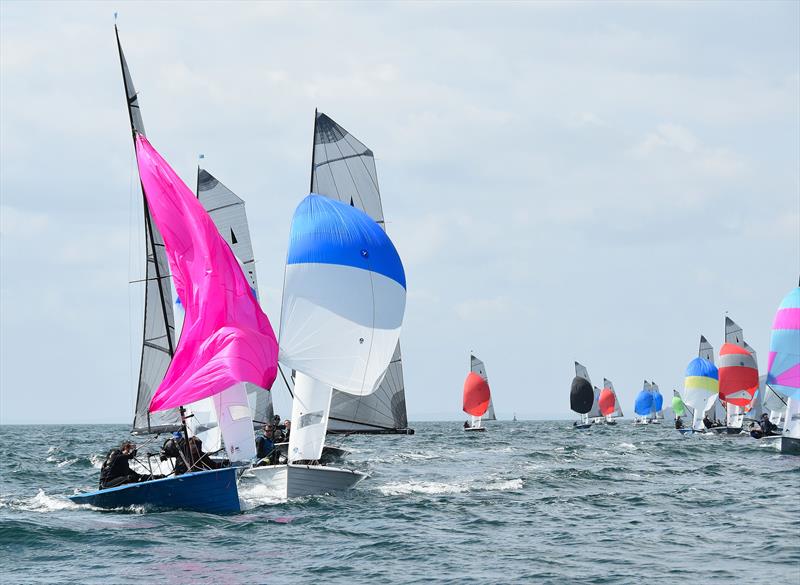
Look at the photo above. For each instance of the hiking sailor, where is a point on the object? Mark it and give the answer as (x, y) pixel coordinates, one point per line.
(116, 470)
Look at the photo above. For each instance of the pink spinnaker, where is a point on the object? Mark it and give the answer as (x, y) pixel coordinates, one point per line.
(226, 337)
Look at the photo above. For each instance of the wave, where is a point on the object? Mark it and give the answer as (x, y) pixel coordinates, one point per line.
(437, 488)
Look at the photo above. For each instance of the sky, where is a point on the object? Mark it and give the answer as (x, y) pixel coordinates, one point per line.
(597, 182)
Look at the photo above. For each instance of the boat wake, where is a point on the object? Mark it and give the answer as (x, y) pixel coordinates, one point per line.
(41, 502)
(255, 494)
(436, 488)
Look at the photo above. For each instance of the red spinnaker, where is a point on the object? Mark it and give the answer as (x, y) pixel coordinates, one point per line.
(476, 395)
(738, 375)
(607, 401)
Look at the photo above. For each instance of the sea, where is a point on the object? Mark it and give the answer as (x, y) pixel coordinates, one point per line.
(524, 502)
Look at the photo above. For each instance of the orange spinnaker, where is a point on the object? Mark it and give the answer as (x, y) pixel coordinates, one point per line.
(607, 402)
(476, 395)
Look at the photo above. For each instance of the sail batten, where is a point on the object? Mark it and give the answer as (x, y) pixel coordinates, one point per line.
(343, 168)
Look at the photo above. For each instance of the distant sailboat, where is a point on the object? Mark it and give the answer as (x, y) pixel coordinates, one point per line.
(343, 303)
(581, 396)
(476, 399)
(658, 404)
(680, 410)
(609, 405)
(643, 405)
(701, 385)
(477, 367)
(343, 168)
(783, 376)
(738, 377)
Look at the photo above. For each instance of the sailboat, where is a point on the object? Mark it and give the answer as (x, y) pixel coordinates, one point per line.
(658, 404)
(475, 401)
(783, 374)
(343, 168)
(738, 378)
(226, 341)
(478, 367)
(701, 385)
(581, 396)
(607, 402)
(343, 302)
(680, 410)
(643, 405)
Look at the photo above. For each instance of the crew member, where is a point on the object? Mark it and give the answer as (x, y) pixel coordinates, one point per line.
(116, 470)
(678, 422)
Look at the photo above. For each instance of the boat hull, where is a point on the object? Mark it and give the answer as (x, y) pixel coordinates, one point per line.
(295, 481)
(582, 426)
(726, 430)
(789, 445)
(475, 429)
(212, 491)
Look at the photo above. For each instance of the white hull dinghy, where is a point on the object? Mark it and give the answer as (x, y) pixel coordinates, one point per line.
(296, 480)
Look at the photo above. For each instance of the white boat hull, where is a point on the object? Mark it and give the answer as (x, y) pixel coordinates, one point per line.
(294, 481)
(475, 429)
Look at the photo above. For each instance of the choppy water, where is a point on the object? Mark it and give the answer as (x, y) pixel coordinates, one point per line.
(527, 502)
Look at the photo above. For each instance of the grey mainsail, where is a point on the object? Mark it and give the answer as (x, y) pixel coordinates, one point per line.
(733, 333)
(705, 351)
(617, 406)
(158, 343)
(343, 168)
(477, 366)
(595, 411)
(229, 215)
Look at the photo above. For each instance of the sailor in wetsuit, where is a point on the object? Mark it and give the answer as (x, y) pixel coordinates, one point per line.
(116, 470)
(768, 428)
(194, 456)
(678, 423)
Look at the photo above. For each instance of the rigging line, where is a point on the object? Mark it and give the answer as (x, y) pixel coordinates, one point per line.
(343, 157)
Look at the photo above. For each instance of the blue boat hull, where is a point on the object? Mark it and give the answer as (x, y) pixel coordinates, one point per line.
(212, 491)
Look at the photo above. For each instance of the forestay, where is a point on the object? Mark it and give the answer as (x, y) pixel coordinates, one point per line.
(158, 343)
(343, 168)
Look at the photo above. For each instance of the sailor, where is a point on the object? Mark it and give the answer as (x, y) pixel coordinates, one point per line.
(264, 444)
(767, 426)
(707, 422)
(175, 447)
(287, 424)
(678, 422)
(116, 470)
(200, 459)
(466, 424)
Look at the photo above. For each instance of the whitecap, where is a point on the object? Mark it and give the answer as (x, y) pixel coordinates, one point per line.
(629, 446)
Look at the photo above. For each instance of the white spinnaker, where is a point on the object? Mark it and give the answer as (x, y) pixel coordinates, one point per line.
(202, 423)
(310, 409)
(791, 427)
(236, 423)
(774, 404)
(340, 324)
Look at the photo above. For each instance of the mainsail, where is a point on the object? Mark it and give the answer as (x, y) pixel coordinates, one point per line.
(343, 168)
(617, 405)
(595, 411)
(658, 401)
(477, 366)
(229, 215)
(158, 344)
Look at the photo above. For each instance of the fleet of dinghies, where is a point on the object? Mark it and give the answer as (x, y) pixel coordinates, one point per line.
(209, 356)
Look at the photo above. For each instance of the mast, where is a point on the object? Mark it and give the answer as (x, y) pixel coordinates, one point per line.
(155, 251)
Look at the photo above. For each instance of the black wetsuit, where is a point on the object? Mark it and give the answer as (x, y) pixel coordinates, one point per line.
(116, 471)
(264, 447)
(707, 423)
(678, 423)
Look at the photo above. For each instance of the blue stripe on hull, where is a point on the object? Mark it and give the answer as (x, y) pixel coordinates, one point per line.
(211, 491)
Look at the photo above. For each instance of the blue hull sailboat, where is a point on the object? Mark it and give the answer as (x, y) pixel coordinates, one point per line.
(213, 491)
